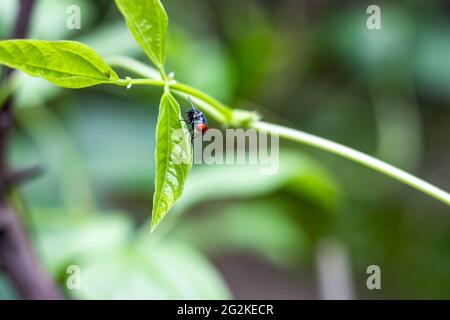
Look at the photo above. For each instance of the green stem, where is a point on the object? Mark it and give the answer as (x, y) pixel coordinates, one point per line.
(202, 96)
(216, 109)
(149, 82)
(354, 155)
(220, 112)
(226, 116)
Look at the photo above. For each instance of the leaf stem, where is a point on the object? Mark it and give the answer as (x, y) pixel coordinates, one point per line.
(203, 96)
(356, 156)
(150, 82)
(219, 111)
(226, 115)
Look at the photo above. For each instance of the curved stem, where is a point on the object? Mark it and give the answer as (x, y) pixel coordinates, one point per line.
(354, 155)
(202, 96)
(218, 110)
(225, 115)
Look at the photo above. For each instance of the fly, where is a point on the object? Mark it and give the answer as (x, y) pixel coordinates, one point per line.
(197, 120)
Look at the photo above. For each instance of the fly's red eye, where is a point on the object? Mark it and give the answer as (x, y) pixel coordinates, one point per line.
(201, 127)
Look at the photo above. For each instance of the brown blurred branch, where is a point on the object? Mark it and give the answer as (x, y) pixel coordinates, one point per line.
(19, 260)
(13, 179)
(16, 253)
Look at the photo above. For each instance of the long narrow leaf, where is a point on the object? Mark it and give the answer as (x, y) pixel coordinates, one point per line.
(173, 158)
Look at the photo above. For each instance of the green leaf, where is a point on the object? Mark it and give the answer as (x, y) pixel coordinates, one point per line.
(66, 235)
(264, 215)
(169, 270)
(173, 158)
(140, 269)
(147, 21)
(67, 64)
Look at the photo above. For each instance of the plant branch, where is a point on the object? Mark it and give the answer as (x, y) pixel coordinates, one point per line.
(236, 117)
(149, 82)
(354, 155)
(211, 106)
(219, 111)
(13, 179)
(16, 253)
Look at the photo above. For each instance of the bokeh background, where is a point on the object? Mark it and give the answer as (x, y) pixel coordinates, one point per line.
(309, 232)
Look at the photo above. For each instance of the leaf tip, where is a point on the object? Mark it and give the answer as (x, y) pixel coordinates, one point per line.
(156, 219)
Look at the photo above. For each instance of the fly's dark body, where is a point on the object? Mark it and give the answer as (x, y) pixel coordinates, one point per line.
(196, 119)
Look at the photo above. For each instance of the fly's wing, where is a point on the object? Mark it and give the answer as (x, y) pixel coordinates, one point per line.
(195, 113)
(192, 104)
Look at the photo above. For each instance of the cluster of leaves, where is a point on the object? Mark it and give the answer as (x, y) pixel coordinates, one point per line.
(281, 218)
(72, 64)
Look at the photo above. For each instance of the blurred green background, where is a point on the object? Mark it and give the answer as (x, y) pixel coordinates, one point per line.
(310, 231)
